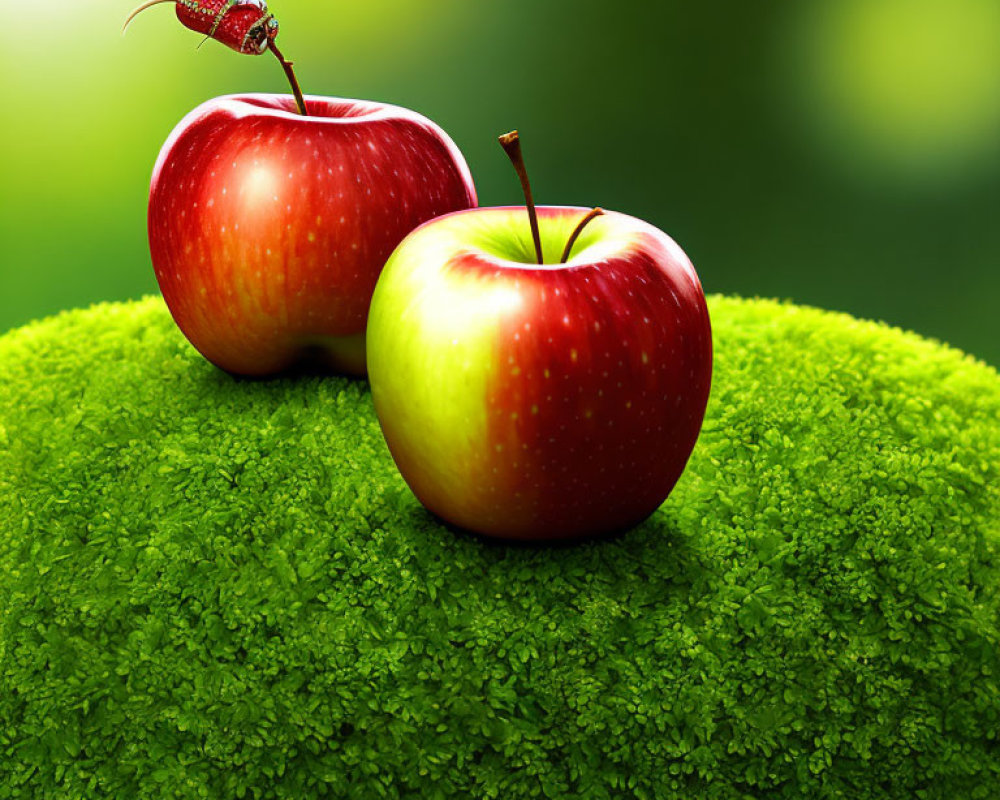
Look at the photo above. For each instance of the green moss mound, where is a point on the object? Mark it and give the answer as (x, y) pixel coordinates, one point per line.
(214, 588)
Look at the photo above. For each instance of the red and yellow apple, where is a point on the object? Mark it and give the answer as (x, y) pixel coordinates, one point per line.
(268, 229)
(539, 401)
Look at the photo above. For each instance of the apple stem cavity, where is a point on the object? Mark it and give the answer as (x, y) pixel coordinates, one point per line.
(300, 101)
(511, 144)
(591, 216)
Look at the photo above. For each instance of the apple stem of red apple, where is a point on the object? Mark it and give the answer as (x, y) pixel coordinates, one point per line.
(591, 216)
(300, 101)
(511, 143)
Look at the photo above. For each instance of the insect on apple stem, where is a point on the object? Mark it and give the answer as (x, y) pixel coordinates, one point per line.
(251, 34)
(300, 101)
(591, 216)
(511, 143)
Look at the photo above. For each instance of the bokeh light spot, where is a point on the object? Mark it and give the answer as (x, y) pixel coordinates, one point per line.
(911, 87)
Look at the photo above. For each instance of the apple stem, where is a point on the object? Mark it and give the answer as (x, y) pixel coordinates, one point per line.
(300, 101)
(511, 144)
(591, 216)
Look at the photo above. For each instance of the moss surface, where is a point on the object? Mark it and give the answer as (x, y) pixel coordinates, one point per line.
(213, 588)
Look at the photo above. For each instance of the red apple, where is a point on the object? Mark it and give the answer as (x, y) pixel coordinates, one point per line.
(268, 229)
(539, 400)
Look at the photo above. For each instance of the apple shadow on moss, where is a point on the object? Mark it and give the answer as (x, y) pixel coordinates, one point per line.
(657, 526)
(310, 366)
(312, 362)
(649, 565)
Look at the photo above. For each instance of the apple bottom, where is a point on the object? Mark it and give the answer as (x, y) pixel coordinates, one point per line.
(519, 516)
(343, 355)
(228, 342)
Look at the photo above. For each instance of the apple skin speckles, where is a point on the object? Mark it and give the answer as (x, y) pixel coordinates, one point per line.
(262, 280)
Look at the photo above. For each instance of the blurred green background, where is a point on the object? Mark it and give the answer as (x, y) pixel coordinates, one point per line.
(840, 153)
